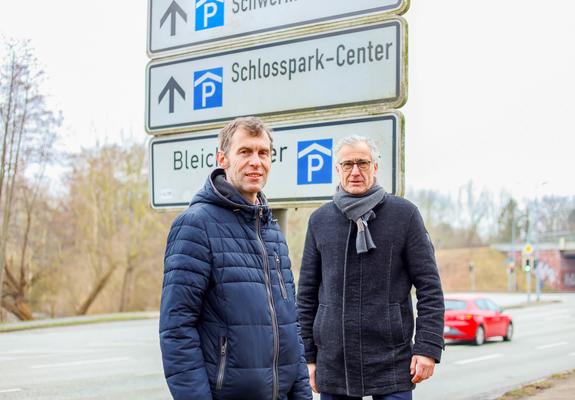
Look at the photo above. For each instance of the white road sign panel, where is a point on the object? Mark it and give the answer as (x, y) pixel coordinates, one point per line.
(303, 161)
(350, 67)
(179, 25)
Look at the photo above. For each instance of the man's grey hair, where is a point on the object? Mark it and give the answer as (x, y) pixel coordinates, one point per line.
(354, 140)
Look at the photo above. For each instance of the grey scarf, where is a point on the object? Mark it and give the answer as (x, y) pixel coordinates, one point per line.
(359, 209)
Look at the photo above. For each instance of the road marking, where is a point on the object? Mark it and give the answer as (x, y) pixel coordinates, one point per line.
(42, 353)
(120, 344)
(10, 390)
(572, 354)
(548, 346)
(477, 359)
(156, 374)
(556, 317)
(7, 358)
(84, 362)
(538, 315)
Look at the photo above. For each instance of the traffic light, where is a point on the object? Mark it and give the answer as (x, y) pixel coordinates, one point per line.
(527, 266)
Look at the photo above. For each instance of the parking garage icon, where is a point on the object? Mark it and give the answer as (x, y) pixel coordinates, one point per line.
(208, 88)
(209, 14)
(314, 164)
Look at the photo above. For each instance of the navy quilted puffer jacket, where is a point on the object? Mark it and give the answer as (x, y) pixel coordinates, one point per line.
(228, 318)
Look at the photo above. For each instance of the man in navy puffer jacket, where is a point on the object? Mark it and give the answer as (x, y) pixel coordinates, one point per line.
(228, 318)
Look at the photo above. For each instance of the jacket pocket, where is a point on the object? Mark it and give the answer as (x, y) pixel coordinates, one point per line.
(318, 323)
(280, 275)
(223, 362)
(397, 335)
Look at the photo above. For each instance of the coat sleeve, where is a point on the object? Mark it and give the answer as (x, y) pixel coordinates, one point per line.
(301, 389)
(187, 266)
(425, 277)
(308, 293)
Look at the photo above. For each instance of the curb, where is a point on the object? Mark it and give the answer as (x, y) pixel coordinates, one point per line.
(72, 321)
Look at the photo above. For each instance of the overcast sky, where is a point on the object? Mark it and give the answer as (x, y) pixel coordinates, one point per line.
(491, 85)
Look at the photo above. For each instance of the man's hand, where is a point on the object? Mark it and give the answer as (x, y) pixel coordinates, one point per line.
(311, 370)
(421, 368)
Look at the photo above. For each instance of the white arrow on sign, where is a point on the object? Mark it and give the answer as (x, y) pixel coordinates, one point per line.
(365, 65)
(180, 25)
(179, 165)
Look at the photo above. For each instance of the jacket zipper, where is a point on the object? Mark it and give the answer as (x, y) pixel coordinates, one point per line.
(223, 357)
(275, 329)
(343, 311)
(280, 275)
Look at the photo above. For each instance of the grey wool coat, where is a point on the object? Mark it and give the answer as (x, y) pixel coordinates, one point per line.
(355, 310)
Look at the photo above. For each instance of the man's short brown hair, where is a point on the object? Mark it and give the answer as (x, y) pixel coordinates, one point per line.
(253, 125)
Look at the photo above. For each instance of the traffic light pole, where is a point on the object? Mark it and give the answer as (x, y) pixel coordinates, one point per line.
(527, 267)
(529, 286)
(537, 281)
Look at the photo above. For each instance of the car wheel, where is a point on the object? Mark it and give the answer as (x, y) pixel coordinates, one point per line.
(479, 336)
(508, 333)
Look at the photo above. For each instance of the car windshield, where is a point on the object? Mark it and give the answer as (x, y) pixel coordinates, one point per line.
(455, 305)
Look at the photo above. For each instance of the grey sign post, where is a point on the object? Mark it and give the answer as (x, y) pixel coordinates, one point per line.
(323, 75)
(303, 171)
(177, 26)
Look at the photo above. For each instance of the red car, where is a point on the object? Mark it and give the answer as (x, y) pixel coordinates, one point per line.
(475, 318)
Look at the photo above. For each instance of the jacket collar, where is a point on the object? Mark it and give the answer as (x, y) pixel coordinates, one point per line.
(218, 190)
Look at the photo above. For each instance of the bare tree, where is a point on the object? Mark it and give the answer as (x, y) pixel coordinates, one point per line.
(28, 130)
(511, 222)
(438, 212)
(115, 233)
(93, 205)
(474, 213)
(140, 225)
(551, 216)
(571, 221)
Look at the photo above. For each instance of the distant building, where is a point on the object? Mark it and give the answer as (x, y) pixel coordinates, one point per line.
(555, 262)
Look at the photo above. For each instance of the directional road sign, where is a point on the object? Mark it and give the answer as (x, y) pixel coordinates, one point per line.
(339, 69)
(303, 161)
(181, 25)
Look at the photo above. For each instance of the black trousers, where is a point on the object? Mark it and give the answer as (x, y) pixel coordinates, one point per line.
(392, 396)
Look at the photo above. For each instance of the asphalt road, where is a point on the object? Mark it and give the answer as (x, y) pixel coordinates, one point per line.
(543, 344)
(121, 360)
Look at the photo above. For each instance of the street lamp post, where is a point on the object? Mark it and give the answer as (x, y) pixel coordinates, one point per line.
(536, 257)
(511, 276)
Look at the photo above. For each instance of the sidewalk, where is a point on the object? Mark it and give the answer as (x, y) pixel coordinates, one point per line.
(556, 387)
(517, 299)
(561, 390)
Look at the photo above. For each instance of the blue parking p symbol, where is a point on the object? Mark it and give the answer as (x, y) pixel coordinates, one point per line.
(208, 88)
(314, 164)
(209, 14)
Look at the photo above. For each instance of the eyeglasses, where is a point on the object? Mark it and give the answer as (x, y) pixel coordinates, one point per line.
(347, 166)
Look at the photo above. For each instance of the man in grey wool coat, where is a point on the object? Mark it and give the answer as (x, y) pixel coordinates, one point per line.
(363, 253)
